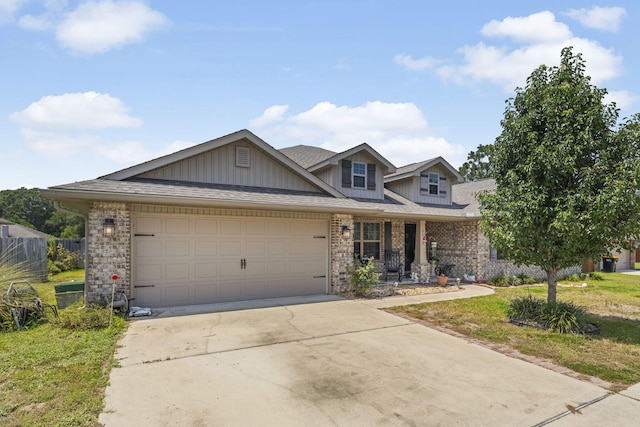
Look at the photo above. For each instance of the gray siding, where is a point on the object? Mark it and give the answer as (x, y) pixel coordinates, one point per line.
(219, 167)
(410, 188)
(332, 175)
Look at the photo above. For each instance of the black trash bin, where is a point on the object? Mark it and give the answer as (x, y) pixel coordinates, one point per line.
(609, 263)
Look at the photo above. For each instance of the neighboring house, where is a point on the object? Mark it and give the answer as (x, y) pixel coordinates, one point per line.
(11, 229)
(25, 246)
(235, 219)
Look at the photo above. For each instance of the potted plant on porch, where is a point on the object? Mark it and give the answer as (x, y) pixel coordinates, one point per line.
(442, 274)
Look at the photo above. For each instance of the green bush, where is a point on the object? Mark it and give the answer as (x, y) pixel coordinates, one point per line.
(527, 280)
(596, 276)
(59, 259)
(563, 317)
(81, 319)
(525, 308)
(500, 281)
(363, 276)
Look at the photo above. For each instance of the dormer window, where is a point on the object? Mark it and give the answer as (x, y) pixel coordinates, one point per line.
(359, 175)
(434, 183)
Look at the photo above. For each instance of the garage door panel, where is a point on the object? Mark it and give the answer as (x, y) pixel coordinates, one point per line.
(204, 270)
(148, 249)
(148, 225)
(229, 248)
(177, 225)
(277, 247)
(205, 248)
(206, 226)
(255, 248)
(255, 267)
(197, 259)
(149, 272)
(177, 271)
(178, 294)
(256, 228)
(230, 269)
(206, 293)
(256, 290)
(277, 268)
(276, 228)
(228, 226)
(231, 291)
(175, 249)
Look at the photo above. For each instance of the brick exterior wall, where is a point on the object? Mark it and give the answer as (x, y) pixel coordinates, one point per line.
(341, 253)
(463, 244)
(108, 255)
(459, 243)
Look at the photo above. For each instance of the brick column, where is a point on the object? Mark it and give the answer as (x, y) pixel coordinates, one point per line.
(341, 252)
(108, 255)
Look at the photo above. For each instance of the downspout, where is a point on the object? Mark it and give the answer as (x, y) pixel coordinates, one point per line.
(59, 207)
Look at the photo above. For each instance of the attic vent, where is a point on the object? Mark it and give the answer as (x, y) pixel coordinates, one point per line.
(242, 157)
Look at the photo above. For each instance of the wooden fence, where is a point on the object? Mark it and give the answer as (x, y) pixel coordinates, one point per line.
(76, 246)
(31, 252)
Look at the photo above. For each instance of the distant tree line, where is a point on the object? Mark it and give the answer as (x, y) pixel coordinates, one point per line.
(29, 208)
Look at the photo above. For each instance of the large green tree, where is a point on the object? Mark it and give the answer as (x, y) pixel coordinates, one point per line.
(478, 164)
(29, 208)
(567, 173)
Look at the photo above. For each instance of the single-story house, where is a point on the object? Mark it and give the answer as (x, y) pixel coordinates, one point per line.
(236, 219)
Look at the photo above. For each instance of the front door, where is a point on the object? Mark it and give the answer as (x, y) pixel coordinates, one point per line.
(409, 245)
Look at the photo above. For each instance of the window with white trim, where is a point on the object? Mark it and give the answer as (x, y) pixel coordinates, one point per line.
(359, 175)
(433, 184)
(366, 239)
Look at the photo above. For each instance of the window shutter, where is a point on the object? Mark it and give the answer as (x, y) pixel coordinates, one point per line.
(371, 176)
(443, 185)
(346, 173)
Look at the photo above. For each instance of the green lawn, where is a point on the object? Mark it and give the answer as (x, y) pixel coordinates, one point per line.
(55, 376)
(613, 303)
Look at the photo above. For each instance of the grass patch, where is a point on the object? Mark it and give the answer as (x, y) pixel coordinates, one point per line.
(54, 374)
(613, 303)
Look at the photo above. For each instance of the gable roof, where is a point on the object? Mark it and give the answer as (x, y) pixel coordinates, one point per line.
(315, 158)
(415, 169)
(243, 134)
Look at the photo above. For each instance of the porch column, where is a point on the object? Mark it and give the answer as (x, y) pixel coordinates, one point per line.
(421, 263)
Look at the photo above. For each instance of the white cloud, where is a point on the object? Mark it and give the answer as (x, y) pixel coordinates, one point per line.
(8, 8)
(71, 125)
(599, 18)
(410, 63)
(538, 39)
(398, 131)
(270, 115)
(36, 23)
(87, 110)
(100, 26)
(538, 27)
(622, 98)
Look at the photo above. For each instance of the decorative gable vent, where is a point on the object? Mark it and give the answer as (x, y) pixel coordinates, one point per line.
(242, 157)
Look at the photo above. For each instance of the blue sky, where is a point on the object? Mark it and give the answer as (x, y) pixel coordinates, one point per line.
(91, 87)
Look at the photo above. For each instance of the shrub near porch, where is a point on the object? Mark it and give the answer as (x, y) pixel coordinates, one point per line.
(614, 303)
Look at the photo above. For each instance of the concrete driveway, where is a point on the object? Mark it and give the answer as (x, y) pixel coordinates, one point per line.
(336, 362)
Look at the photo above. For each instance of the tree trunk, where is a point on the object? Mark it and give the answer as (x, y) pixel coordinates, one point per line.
(552, 281)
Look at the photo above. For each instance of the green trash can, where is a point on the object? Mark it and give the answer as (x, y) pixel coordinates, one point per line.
(68, 293)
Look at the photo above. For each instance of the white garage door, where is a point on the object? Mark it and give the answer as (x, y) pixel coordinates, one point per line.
(189, 259)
